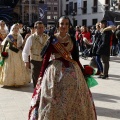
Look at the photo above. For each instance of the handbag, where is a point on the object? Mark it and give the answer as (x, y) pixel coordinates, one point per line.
(93, 63)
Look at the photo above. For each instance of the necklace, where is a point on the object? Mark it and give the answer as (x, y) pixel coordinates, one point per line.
(62, 38)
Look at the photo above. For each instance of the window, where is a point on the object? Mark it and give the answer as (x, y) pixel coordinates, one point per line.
(49, 8)
(55, 17)
(26, 2)
(75, 22)
(94, 21)
(84, 9)
(75, 7)
(55, 8)
(66, 11)
(33, 1)
(70, 7)
(84, 22)
(107, 2)
(119, 7)
(48, 17)
(94, 8)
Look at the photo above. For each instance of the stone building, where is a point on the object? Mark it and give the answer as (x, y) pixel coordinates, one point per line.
(27, 10)
(88, 12)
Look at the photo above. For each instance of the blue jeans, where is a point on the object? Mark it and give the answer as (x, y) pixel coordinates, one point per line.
(99, 63)
(115, 50)
(119, 46)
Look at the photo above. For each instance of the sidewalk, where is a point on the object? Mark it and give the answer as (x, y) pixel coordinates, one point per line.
(107, 93)
(15, 102)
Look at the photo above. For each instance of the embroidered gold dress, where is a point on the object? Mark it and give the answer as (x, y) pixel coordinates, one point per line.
(13, 72)
(64, 93)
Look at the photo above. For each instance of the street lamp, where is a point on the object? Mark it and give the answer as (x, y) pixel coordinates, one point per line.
(73, 17)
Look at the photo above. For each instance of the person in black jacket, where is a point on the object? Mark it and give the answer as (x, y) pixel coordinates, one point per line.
(96, 44)
(104, 48)
(117, 34)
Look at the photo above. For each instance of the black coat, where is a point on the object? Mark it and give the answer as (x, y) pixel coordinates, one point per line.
(104, 48)
(96, 43)
(117, 33)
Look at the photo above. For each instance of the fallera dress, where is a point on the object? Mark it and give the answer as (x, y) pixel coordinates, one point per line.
(64, 94)
(3, 34)
(14, 72)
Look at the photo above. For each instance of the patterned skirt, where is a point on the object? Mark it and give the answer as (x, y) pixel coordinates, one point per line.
(64, 94)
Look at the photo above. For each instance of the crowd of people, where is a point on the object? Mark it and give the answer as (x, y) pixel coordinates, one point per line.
(50, 58)
(101, 41)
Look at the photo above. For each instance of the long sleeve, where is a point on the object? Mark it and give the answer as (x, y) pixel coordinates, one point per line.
(75, 53)
(45, 61)
(26, 49)
(6, 42)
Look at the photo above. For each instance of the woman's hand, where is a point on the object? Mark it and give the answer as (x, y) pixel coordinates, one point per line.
(27, 65)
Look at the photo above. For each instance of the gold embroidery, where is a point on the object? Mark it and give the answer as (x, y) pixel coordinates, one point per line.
(68, 47)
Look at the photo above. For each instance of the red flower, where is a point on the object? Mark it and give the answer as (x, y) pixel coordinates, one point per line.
(4, 54)
(88, 70)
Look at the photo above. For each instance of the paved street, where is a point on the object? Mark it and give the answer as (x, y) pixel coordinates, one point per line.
(107, 93)
(15, 102)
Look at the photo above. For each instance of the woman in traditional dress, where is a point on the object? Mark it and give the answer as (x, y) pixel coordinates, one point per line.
(63, 93)
(3, 30)
(13, 71)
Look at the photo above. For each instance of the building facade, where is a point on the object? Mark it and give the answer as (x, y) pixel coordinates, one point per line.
(28, 12)
(54, 10)
(88, 12)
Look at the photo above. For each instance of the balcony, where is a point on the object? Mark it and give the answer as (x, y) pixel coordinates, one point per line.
(84, 10)
(94, 9)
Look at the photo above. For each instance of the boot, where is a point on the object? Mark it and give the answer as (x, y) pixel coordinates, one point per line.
(98, 73)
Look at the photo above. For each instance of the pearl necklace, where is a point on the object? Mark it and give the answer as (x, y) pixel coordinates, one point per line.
(62, 38)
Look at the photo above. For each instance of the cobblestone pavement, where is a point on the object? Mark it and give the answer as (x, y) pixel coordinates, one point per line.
(15, 102)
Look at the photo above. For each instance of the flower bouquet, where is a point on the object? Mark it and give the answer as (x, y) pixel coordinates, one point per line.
(4, 55)
(88, 73)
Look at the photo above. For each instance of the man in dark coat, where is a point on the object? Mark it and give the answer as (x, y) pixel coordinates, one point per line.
(118, 37)
(104, 49)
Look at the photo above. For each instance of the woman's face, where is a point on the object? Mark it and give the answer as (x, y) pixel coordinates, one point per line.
(63, 25)
(82, 29)
(2, 24)
(97, 27)
(16, 29)
(102, 25)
